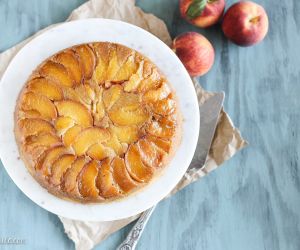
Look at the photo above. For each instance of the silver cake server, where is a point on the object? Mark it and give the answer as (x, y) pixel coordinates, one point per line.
(209, 112)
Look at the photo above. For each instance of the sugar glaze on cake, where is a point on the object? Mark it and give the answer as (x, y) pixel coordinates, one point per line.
(96, 122)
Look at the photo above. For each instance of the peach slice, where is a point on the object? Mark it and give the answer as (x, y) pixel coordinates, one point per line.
(121, 176)
(34, 154)
(85, 93)
(150, 82)
(151, 155)
(87, 181)
(70, 184)
(113, 65)
(115, 145)
(135, 166)
(59, 167)
(105, 182)
(57, 73)
(70, 94)
(100, 152)
(99, 75)
(111, 58)
(128, 111)
(76, 111)
(28, 114)
(126, 134)
(71, 134)
(39, 103)
(129, 115)
(118, 57)
(148, 69)
(63, 123)
(35, 126)
(117, 60)
(88, 137)
(97, 105)
(103, 123)
(103, 56)
(45, 87)
(134, 80)
(165, 145)
(122, 54)
(98, 111)
(87, 59)
(155, 95)
(111, 95)
(127, 99)
(127, 69)
(44, 164)
(45, 140)
(69, 61)
(164, 128)
(164, 107)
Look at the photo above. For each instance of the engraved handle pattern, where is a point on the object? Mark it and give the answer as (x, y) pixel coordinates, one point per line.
(134, 235)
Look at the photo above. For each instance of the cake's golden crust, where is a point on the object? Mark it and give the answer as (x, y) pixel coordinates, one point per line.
(97, 121)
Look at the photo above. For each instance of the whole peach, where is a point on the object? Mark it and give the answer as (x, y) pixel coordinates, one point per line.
(202, 13)
(245, 23)
(195, 52)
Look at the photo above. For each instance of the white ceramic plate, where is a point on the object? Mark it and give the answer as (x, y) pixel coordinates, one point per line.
(83, 31)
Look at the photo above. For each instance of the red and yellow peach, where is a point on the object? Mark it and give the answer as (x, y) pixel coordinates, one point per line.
(245, 23)
(195, 52)
(202, 16)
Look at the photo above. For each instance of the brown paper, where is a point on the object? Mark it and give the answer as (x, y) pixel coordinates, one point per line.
(227, 140)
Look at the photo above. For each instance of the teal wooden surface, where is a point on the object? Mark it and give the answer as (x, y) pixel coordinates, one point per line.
(253, 201)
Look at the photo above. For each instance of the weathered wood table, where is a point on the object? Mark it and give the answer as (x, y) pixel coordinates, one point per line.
(253, 201)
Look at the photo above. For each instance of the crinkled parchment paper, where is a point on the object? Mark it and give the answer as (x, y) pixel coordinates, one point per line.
(227, 140)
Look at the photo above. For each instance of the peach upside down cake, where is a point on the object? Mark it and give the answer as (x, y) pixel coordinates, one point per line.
(96, 121)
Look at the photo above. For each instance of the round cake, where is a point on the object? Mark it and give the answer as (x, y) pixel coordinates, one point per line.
(96, 122)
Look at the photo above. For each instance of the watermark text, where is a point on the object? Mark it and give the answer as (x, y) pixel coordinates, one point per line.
(12, 241)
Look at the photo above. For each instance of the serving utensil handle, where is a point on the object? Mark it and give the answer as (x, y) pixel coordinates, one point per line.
(135, 233)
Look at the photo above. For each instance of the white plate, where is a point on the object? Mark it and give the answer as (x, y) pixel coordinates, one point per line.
(83, 31)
